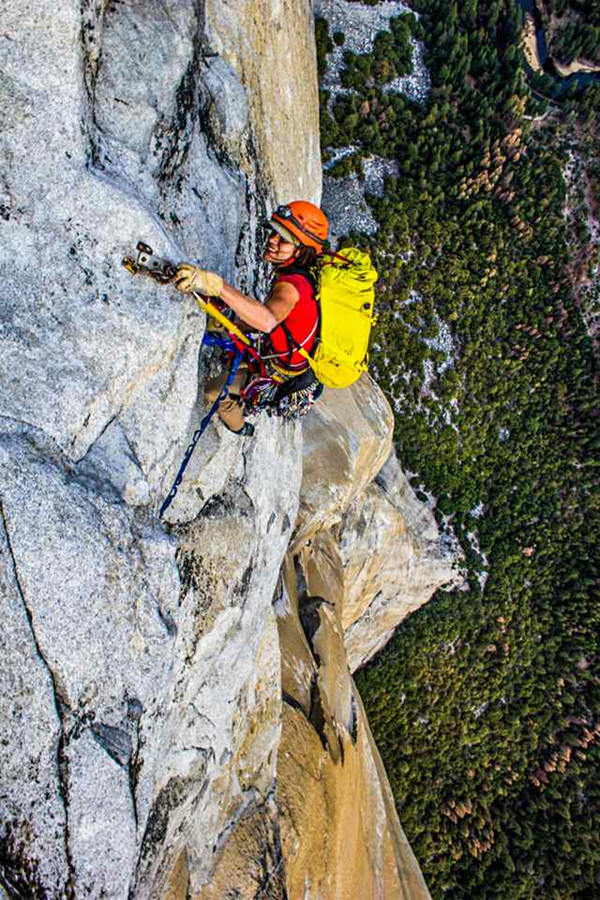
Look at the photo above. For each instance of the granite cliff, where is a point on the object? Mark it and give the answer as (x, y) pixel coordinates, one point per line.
(178, 714)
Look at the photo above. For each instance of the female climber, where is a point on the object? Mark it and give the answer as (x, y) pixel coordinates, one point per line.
(288, 319)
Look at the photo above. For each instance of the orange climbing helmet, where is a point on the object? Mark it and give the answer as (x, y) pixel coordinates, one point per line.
(306, 223)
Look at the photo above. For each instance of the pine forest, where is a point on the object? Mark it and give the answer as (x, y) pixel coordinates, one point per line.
(486, 703)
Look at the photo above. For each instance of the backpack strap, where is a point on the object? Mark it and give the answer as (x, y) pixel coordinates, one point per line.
(292, 344)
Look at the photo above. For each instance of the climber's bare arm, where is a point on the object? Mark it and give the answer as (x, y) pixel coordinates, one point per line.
(259, 316)
(262, 317)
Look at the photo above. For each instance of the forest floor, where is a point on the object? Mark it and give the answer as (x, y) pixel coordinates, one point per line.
(360, 25)
(344, 198)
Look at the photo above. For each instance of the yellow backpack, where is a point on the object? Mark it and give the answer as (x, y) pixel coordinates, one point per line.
(346, 297)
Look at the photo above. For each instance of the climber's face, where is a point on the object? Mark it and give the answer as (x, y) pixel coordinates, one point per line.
(278, 250)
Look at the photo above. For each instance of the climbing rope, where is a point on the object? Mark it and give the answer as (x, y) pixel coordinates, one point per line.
(211, 340)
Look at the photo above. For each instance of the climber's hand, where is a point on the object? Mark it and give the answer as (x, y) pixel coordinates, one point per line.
(190, 278)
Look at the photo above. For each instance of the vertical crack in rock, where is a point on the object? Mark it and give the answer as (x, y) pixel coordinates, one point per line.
(273, 860)
(60, 706)
(180, 797)
(92, 18)
(241, 589)
(205, 106)
(353, 725)
(253, 278)
(316, 715)
(133, 773)
(134, 714)
(255, 824)
(174, 137)
(302, 589)
(272, 855)
(310, 620)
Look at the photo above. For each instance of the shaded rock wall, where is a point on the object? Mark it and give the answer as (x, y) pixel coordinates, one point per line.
(140, 694)
(141, 685)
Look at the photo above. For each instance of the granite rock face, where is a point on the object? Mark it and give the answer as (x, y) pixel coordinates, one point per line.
(145, 666)
(264, 43)
(347, 439)
(391, 560)
(376, 547)
(326, 747)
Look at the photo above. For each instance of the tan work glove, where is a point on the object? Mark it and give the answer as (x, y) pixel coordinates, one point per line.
(190, 278)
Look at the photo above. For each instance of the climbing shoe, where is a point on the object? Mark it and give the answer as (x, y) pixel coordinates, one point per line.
(247, 430)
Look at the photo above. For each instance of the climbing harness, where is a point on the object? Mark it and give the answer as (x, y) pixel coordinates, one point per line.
(280, 396)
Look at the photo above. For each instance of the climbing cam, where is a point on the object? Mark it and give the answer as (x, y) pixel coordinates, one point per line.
(146, 263)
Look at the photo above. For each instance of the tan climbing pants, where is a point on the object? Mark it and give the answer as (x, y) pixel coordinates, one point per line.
(230, 409)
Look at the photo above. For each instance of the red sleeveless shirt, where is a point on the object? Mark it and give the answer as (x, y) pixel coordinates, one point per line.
(302, 324)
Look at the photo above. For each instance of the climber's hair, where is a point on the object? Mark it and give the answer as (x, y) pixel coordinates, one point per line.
(306, 262)
(306, 258)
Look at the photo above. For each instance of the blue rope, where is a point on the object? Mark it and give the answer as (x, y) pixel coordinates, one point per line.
(213, 340)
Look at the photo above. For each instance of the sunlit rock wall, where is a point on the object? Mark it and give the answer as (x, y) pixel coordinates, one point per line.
(269, 45)
(141, 678)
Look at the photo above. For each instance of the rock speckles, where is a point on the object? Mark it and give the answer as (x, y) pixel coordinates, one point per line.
(344, 198)
(346, 207)
(375, 171)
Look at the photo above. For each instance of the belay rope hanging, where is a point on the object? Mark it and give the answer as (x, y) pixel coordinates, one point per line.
(163, 271)
(209, 340)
